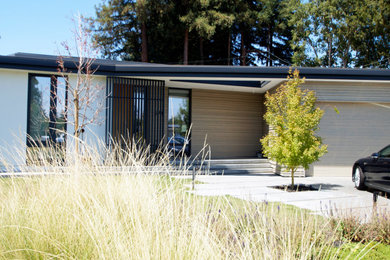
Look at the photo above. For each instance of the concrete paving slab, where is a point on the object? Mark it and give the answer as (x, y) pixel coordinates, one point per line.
(336, 195)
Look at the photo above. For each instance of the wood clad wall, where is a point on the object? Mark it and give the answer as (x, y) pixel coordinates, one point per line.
(122, 111)
(357, 131)
(231, 121)
(350, 91)
(360, 128)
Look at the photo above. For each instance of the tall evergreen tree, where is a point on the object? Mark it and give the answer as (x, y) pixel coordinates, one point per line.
(332, 33)
(275, 32)
(200, 31)
(136, 30)
(340, 33)
(116, 30)
(205, 17)
(372, 46)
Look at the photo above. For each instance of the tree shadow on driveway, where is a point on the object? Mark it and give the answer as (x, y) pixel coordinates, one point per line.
(326, 186)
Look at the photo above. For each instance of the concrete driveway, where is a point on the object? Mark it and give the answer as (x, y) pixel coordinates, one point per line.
(336, 195)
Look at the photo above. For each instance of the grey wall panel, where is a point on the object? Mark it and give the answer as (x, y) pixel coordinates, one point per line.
(357, 131)
(350, 91)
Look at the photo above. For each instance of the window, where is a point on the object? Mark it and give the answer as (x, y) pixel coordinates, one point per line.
(179, 120)
(47, 103)
(385, 152)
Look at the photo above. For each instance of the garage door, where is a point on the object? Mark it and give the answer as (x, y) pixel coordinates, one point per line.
(357, 131)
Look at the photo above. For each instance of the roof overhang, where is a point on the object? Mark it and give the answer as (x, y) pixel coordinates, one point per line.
(255, 79)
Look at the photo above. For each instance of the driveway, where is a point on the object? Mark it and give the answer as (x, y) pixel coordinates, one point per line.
(336, 195)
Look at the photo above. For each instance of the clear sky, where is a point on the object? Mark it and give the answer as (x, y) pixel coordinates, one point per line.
(39, 26)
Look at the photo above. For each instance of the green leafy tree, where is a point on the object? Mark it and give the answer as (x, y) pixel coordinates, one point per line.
(293, 119)
(204, 17)
(331, 33)
(340, 33)
(273, 31)
(137, 30)
(372, 44)
(262, 33)
(194, 31)
(316, 31)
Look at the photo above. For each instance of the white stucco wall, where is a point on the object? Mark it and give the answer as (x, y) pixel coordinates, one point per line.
(13, 114)
(95, 131)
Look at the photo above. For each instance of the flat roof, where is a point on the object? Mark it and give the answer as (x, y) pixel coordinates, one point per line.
(39, 62)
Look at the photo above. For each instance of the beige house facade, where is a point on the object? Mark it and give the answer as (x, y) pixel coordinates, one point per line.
(220, 107)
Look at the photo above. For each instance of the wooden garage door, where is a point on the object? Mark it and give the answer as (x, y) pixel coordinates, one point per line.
(357, 131)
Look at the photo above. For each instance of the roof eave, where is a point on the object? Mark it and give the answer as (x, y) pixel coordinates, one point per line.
(117, 68)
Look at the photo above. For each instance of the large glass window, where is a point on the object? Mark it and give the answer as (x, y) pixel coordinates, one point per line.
(179, 120)
(47, 110)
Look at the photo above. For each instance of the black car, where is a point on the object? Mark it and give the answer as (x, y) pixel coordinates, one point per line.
(373, 171)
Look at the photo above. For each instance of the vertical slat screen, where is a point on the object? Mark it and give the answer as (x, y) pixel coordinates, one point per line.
(135, 110)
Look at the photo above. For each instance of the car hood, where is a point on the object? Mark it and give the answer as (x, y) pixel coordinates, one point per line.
(364, 159)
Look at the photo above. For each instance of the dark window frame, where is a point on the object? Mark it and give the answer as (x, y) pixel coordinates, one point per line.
(52, 113)
(148, 105)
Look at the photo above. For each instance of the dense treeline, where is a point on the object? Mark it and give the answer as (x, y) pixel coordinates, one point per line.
(332, 33)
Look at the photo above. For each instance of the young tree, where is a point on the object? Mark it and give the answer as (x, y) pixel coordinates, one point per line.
(84, 94)
(293, 119)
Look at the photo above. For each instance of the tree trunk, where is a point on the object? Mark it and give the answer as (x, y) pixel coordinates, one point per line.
(329, 52)
(270, 33)
(292, 178)
(345, 58)
(201, 50)
(144, 44)
(243, 51)
(269, 46)
(229, 47)
(76, 120)
(185, 54)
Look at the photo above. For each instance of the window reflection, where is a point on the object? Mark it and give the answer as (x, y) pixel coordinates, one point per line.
(47, 109)
(39, 108)
(179, 121)
(60, 108)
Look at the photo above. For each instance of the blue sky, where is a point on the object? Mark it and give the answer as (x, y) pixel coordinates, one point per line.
(39, 26)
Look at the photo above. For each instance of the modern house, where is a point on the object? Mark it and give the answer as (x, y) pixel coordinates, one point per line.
(224, 105)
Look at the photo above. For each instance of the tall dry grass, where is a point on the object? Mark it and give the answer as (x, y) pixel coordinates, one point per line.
(120, 206)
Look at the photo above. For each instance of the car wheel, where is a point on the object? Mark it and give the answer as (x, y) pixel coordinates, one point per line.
(358, 178)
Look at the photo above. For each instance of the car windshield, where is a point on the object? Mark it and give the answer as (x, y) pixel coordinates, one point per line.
(385, 152)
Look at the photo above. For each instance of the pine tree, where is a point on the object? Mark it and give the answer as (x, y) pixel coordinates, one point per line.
(340, 33)
(136, 30)
(205, 17)
(331, 33)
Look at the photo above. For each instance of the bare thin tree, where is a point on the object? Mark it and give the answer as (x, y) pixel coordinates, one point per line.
(85, 95)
